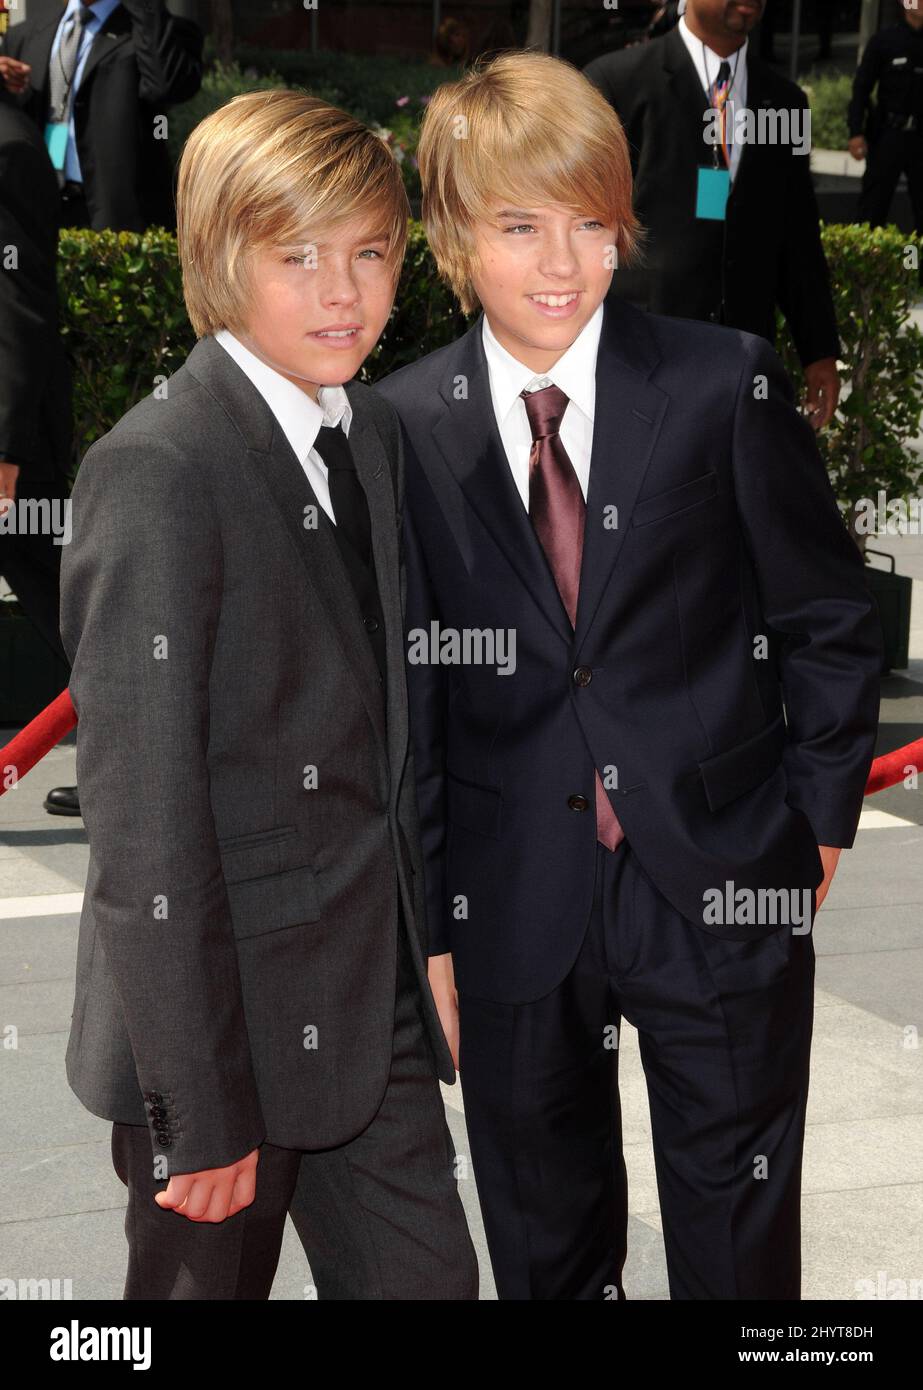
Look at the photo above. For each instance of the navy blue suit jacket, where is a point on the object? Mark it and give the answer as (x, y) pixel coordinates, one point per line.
(732, 647)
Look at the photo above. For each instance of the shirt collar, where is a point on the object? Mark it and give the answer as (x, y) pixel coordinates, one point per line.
(574, 373)
(299, 416)
(707, 67)
(102, 9)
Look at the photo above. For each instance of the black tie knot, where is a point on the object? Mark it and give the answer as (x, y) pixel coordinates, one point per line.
(333, 447)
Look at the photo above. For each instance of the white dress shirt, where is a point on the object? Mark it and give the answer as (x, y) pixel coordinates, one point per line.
(574, 373)
(707, 62)
(300, 418)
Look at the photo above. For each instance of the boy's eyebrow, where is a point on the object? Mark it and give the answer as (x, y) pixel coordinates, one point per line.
(358, 241)
(533, 214)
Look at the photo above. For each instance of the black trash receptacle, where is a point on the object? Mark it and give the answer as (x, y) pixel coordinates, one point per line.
(891, 592)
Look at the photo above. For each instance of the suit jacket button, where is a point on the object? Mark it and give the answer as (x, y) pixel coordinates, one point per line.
(155, 1097)
(164, 1141)
(583, 675)
(371, 624)
(577, 802)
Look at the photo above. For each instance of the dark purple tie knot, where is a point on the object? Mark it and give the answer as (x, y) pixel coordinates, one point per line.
(545, 409)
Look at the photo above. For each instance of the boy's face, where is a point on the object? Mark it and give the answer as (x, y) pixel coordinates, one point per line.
(317, 309)
(530, 256)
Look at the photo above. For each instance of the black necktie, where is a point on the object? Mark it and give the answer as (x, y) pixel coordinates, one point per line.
(720, 100)
(350, 505)
(353, 534)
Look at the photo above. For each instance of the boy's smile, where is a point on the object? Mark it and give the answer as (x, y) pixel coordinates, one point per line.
(317, 310)
(556, 304)
(540, 275)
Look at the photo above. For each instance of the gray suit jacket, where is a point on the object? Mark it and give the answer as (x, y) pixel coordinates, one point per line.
(249, 802)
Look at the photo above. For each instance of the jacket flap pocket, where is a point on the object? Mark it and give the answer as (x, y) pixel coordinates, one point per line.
(730, 774)
(274, 901)
(257, 852)
(473, 806)
(675, 499)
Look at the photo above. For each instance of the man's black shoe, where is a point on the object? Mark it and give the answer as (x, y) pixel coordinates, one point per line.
(62, 801)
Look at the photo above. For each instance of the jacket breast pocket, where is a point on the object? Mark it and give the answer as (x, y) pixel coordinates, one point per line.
(741, 768)
(266, 890)
(695, 493)
(473, 805)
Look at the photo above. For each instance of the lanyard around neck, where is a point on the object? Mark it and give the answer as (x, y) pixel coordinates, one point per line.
(722, 108)
(711, 85)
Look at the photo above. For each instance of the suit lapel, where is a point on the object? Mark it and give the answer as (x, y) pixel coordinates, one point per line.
(115, 32)
(688, 97)
(374, 470)
(756, 97)
(274, 464)
(470, 443)
(628, 414)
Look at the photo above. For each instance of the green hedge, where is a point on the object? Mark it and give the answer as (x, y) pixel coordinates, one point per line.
(875, 285)
(125, 327)
(829, 96)
(123, 321)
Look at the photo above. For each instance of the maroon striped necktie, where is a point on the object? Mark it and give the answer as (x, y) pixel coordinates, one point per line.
(558, 512)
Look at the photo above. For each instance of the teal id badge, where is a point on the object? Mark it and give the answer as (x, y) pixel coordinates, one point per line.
(712, 192)
(56, 142)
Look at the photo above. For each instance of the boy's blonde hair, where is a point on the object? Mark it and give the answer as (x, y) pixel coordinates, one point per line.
(275, 168)
(527, 129)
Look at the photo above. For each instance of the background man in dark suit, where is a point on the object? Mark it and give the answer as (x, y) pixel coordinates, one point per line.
(103, 74)
(107, 71)
(888, 132)
(35, 387)
(764, 250)
(692, 712)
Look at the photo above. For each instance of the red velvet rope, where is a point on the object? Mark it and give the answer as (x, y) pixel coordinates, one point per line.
(57, 719)
(32, 743)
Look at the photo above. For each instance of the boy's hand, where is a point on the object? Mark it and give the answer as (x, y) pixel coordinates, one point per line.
(215, 1193)
(442, 983)
(830, 855)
